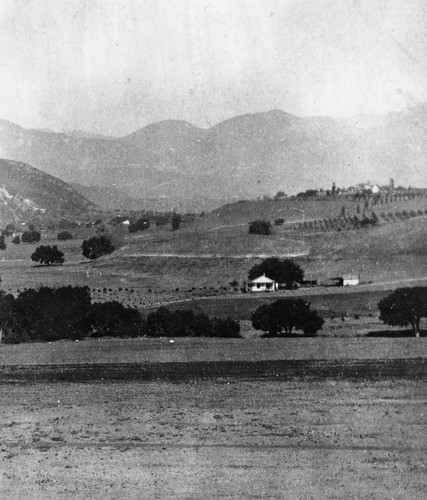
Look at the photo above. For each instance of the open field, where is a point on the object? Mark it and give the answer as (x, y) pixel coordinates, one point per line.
(255, 439)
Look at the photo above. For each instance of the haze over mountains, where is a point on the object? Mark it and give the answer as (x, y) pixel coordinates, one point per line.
(243, 157)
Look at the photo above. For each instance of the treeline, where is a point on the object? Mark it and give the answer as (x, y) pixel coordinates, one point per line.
(50, 314)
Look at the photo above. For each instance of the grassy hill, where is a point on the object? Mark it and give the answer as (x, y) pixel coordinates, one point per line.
(27, 192)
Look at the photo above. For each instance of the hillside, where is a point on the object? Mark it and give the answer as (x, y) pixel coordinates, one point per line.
(243, 157)
(27, 192)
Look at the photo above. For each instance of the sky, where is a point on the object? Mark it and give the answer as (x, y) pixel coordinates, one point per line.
(114, 66)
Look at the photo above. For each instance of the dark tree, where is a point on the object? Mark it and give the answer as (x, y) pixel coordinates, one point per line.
(48, 255)
(185, 323)
(283, 316)
(405, 306)
(64, 235)
(282, 271)
(16, 240)
(113, 319)
(49, 314)
(139, 225)
(30, 236)
(260, 227)
(279, 195)
(97, 246)
(2, 243)
(176, 221)
(279, 221)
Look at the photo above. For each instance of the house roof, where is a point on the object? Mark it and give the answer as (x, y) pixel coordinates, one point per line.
(262, 279)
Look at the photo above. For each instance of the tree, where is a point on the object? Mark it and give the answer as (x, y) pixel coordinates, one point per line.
(260, 227)
(30, 236)
(282, 271)
(97, 246)
(176, 221)
(405, 306)
(48, 314)
(2, 243)
(16, 240)
(64, 235)
(284, 315)
(48, 255)
(139, 225)
(115, 320)
(279, 195)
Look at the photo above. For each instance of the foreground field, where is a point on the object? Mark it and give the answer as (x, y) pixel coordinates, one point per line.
(216, 439)
(185, 350)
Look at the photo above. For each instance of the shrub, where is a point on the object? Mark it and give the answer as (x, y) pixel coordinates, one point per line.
(260, 227)
(176, 221)
(279, 222)
(185, 323)
(96, 247)
(30, 236)
(139, 225)
(284, 315)
(48, 255)
(16, 240)
(64, 235)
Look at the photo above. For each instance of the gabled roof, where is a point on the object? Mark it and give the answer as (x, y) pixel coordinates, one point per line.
(262, 279)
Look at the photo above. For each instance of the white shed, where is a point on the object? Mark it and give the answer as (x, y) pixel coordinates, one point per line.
(351, 279)
(262, 284)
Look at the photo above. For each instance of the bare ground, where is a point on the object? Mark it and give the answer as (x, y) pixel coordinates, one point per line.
(216, 439)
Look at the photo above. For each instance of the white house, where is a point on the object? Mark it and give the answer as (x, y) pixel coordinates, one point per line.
(262, 284)
(351, 280)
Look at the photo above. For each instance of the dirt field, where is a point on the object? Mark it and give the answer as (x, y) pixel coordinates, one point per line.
(214, 439)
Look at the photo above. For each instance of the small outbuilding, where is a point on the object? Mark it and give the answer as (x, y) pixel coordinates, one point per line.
(262, 284)
(351, 280)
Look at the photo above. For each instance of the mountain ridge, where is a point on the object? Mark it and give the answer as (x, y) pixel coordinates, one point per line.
(245, 156)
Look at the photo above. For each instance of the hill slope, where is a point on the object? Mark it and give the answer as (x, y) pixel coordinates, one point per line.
(26, 191)
(245, 156)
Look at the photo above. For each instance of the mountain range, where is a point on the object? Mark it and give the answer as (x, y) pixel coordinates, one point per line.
(243, 157)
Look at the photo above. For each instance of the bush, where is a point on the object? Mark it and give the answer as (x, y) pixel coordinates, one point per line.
(47, 314)
(281, 317)
(185, 323)
(96, 247)
(30, 236)
(64, 235)
(139, 225)
(279, 222)
(260, 227)
(48, 255)
(16, 240)
(115, 320)
(176, 221)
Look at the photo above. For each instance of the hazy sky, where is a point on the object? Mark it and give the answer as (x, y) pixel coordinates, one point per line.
(113, 66)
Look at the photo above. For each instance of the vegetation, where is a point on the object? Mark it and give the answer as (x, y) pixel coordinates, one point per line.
(260, 227)
(113, 319)
(176, 221)
(48, 255)
(403, 307)
(185, 323)
(96, 247)
(2, 243)
(16, 240)
(282, 271)
(30, 236)
(64, 235)
(140, 225)
(50, 314)
(281, 317)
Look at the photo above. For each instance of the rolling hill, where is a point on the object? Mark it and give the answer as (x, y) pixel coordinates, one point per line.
(243, 157)
(26, 192)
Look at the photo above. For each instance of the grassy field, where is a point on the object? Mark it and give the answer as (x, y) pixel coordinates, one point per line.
(299, 439)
